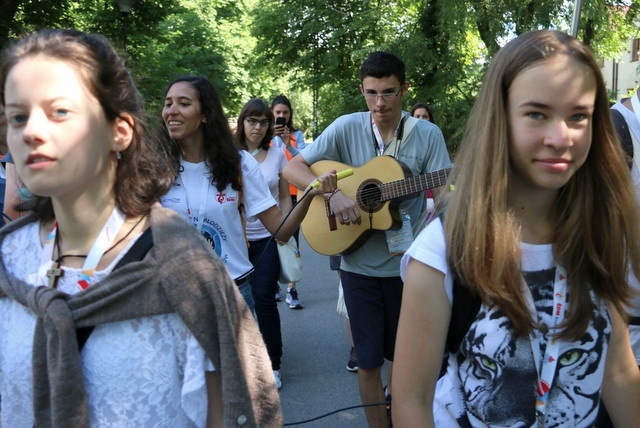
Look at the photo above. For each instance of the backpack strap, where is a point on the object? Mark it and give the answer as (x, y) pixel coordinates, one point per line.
(136, 253)
(464, 309)
(624, 134)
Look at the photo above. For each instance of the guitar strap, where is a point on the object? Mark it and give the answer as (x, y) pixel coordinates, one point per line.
(394, 147)
(399, 240)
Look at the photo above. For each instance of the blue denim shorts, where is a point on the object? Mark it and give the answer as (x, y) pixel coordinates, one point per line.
(244, 287)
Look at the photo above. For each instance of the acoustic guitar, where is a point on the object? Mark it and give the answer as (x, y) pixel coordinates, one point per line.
(377, 187)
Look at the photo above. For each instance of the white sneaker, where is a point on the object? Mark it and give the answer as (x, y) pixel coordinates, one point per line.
(292, 299)
(276, 374)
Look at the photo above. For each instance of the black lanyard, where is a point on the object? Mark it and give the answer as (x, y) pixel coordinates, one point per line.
(398, 136)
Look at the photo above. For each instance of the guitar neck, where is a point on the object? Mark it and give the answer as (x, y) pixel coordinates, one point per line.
(415, 184)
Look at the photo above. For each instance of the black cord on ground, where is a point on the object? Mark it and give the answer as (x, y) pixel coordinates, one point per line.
(338, 410)
(334, 412)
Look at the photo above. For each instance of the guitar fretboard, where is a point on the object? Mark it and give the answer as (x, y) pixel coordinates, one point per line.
(415, 184)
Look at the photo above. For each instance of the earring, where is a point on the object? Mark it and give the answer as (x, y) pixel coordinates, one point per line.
(118, 155)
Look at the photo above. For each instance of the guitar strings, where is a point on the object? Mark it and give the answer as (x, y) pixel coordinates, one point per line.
(369, 193)
(407, 182)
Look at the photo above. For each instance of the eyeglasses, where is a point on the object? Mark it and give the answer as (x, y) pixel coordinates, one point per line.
(254, 122)
(387, 96)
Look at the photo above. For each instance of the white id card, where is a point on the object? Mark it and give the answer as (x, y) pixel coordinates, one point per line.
(399, 240)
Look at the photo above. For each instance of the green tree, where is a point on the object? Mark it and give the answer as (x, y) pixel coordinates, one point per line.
(607, 25)
(18, 17)
(104, 17)
(322, 44)
(163, 39)
(312, 49)
(455, 41)
(207, 38)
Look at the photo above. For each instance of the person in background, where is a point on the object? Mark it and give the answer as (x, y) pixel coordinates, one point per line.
(3, 151)
(15, 193)
(218, 186)
(291, 139)
(371, 274)
(629, 109)
(253, 134)
(541, 229)
(422, 111)
(627, 124)
(113, 310)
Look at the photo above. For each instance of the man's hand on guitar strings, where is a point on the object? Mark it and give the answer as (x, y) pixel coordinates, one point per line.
(345, 209)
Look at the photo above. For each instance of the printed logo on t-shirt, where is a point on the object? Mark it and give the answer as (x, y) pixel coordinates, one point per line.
(215, 236)
(166, 200)
(222, 197)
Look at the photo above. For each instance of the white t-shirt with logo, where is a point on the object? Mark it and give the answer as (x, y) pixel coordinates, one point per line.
(222, 225)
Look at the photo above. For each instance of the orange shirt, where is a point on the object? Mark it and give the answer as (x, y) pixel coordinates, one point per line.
(293, 190)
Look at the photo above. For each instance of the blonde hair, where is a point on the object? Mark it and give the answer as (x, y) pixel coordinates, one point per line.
(596, 232)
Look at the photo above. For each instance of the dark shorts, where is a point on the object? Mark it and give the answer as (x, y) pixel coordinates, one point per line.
(374, 310)
(334, 262)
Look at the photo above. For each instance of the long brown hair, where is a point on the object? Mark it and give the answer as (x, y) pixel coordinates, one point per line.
(143, 172)
(221, 156)
(596, 233)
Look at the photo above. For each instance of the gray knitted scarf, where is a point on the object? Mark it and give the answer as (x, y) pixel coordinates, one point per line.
(180, 274)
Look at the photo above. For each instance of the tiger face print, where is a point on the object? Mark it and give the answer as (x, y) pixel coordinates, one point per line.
(498, 376)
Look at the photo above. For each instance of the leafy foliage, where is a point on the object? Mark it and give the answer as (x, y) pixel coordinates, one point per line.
(311, 50)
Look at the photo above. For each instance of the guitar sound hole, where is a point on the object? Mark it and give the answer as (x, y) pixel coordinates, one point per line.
(370, 196)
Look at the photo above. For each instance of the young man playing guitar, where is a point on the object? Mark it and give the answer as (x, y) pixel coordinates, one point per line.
(371, 273)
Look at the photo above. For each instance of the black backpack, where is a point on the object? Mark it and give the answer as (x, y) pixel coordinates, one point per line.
(624, 134)
(464, 309)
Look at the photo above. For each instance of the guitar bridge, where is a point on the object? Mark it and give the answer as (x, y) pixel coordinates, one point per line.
(331, 217)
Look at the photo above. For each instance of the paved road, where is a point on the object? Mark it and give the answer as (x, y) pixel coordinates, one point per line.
(316, 349)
